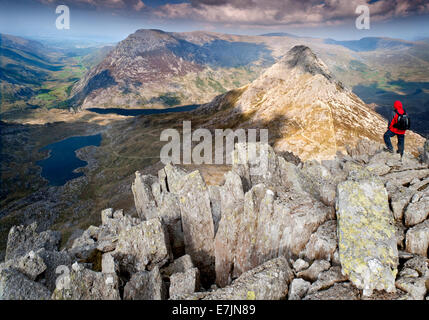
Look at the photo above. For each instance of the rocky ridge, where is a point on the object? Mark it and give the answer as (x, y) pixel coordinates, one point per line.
(308, 112)
(355, 227)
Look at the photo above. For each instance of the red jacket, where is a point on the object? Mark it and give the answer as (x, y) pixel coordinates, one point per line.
(394, 119)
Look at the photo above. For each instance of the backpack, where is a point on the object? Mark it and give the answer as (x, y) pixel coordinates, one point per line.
(403, 122)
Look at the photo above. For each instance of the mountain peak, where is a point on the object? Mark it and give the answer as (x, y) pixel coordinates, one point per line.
(303, 58)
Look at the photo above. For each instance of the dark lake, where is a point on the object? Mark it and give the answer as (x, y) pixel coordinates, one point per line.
(139, 112)
(59, 166)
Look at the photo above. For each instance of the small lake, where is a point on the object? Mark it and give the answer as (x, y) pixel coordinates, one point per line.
(139, 112)
(59, 167)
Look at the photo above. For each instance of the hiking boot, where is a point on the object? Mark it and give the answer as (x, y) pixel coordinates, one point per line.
(388, 150)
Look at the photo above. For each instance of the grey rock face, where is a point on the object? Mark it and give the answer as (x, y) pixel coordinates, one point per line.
(143, 196)
(214, 194)
(169, 212)
(170, 178)
(232, 197)
(85, 284)
(425, 154)
(323, 242)
(183, 283)
(145, 285)
(16, 286)
(197, 222)
(22, 240)
(143, 246)
(417, 239)
(369, 257)
(269, 281)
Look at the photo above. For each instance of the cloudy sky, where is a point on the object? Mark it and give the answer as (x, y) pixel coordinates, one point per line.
(113, 20)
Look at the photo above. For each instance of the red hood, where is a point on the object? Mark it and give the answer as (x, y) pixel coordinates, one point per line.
(398, 107)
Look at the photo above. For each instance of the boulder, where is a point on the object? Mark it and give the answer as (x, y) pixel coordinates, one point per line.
(145, 285)
(181, 264)
(269, 281)
(419, 264)
(312, 273)
(23, 239)
(367, 243)
(143, 197)
(415, 287)
(142, 247)
(417, 239)
(16, 286)
(300, 265)
(183, 283)
(30, 265)
(327, 279)
(418, 210)
(298, 289)
(339, 291)
(84, 284)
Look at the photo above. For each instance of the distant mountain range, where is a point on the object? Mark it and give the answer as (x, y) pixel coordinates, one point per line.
(156, 69)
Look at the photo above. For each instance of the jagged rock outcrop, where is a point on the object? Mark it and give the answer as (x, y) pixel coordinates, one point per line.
(275, 217)
(22, 240)
(367, 244)
(266, 224)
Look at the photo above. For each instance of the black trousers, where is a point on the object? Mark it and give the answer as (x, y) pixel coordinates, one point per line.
(401, 141)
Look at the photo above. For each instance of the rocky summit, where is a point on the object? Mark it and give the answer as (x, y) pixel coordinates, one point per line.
(353, 227)
(308, 112)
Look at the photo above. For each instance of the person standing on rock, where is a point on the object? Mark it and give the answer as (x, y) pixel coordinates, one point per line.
(399, 122)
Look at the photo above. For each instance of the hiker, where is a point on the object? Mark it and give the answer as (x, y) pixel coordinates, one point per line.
(398, 124)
